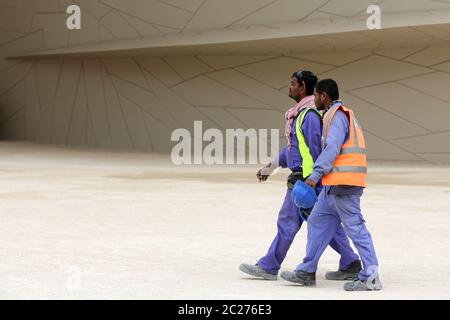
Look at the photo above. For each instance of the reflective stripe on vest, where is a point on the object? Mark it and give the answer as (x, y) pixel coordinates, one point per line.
(350, 166)
(350, 169)
(307, 159)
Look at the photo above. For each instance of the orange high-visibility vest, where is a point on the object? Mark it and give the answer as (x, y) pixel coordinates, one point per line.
(350, 167)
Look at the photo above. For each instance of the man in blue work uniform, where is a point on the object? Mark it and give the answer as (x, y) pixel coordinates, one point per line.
(303, 132)
(342, 167)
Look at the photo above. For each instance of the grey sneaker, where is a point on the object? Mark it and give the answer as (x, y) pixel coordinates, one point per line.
(300, 277)
(256, 271)
(351, 273)
(368, 285)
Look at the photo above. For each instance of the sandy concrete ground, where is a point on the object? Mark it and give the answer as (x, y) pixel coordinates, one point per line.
(96, 224)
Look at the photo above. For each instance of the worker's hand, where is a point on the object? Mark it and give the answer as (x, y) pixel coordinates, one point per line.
(264, 172)
(311, 183)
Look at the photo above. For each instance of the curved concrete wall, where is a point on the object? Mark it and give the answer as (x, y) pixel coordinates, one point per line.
(395, 79)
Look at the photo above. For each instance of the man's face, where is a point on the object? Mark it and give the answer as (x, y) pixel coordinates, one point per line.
(319, 100)
(294, 89)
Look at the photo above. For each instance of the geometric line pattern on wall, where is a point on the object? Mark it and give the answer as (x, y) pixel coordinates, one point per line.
(399, 92)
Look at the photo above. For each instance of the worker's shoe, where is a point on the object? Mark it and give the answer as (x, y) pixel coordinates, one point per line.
(300, 277)
(256, 271)
(366, 285)
(351, 273)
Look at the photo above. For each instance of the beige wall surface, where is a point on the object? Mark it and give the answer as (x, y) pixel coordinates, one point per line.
(396, 79)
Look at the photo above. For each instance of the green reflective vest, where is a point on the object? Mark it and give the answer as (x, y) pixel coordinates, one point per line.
(308, 162)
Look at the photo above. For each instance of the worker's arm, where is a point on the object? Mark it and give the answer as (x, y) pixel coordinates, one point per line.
(267, 170)
(337, 135)
(281, 158)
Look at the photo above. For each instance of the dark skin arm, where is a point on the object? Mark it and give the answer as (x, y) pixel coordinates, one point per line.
(311, 183)
(260, 175)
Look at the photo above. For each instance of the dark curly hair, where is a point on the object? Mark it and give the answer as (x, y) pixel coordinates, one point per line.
(309, 78)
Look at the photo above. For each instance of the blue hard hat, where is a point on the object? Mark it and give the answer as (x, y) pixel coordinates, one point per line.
(303, 195)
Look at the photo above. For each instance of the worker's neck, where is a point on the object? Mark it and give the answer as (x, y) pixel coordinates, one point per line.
(328, 106)
(301, 97)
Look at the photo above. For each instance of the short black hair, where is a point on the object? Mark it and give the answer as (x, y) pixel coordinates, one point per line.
(309, 78)
(330, 87)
